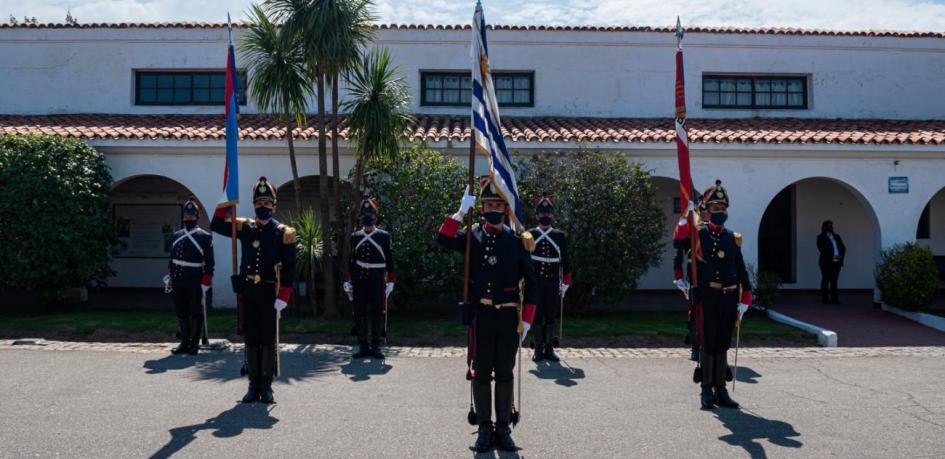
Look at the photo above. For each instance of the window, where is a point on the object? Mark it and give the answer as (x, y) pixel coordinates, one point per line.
(455, 89)
(720, 91)
(184, 88)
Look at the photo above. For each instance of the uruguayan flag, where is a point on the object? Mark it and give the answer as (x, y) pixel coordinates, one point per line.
(486, 126)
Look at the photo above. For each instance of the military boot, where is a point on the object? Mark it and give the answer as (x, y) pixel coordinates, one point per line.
(708, 377)
(376, 350)
(252, 366)
(196, 331)
(267, 370)
(184, 346)
(549, 345)
(721, 393)
(503, 416)
(363, 350)
(482, 398)
(539, 344)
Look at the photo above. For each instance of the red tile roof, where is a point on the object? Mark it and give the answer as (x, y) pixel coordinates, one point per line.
(556, 28)
(435, 128)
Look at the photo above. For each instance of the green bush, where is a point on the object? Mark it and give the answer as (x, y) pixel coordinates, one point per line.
(765, 286)
(907, 277)
(57, 232)
(310, 249)
(417, 191)
(608, 209)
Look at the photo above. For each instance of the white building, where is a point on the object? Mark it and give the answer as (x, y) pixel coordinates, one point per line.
(801, 125)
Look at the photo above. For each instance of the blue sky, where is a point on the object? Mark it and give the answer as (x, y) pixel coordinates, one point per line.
(925, 15)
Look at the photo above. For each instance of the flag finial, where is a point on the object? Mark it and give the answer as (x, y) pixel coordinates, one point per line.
(679, 33)
(229, 27)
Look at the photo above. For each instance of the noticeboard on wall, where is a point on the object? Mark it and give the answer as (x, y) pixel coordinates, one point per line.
(146, 230)
(899, 185)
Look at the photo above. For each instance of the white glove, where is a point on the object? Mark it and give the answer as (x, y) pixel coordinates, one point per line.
(167, 283)
(564, 288)
(684, 220)
(467, 202)
(683, 285)
(389, 289)
(280, 305)
(349, 290)
(742, 309)
(204, 288)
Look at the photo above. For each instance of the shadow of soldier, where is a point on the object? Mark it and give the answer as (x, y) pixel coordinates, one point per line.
(496, 454)
(298, 363)
(178, 362)
(227, 424)
(747, 375)
(562, 373)
(748, 428)
(361, 370)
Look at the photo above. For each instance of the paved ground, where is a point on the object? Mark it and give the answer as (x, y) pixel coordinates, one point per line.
(858, 323)
(132, 401)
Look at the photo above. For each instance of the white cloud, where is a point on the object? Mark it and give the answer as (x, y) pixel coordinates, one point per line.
(829, 14)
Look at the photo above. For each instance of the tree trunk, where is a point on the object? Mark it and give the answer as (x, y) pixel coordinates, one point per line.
(331, 308)
(297, 186)
(336, 197)
(355, 199)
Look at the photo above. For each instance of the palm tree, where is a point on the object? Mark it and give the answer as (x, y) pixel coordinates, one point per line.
(279, 83)
(379, 115)
(278, 80)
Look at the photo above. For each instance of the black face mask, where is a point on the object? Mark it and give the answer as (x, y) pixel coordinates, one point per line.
(367, 220)
(544, 221)
(263, 213)
(190, 224)
(494, 218)
(719, 218)
(828, 229)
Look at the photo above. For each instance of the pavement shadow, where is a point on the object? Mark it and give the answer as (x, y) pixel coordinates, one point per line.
(562, 373)
(496, 454)
(749, 428)
(227, 424)
(747, 375)
(173, 362)
(299, 364)
(359, 370)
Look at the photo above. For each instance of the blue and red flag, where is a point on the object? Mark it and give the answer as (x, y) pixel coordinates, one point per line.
(231, 194)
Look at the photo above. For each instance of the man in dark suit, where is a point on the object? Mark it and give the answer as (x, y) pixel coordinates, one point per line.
(832, 252)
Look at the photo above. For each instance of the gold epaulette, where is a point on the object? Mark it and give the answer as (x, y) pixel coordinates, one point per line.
(288, 234)
(738, 238)
(528, 241)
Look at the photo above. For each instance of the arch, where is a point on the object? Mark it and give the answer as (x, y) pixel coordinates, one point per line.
(145, 211)
(930, 229)
(792, 219)
(666, 193)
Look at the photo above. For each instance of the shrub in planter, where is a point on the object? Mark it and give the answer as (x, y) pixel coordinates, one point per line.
(608, 209)
(57, 231)
(907, 277)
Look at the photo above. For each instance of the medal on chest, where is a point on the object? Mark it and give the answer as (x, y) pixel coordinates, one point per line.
(256, 244)
(492, 260)
(720, 254)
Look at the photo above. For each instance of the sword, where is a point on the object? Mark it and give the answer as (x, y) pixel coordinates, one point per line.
(206, 331)
(738, 335)
(278, 370)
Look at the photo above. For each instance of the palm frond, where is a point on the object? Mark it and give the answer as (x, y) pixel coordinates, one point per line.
(378, 103)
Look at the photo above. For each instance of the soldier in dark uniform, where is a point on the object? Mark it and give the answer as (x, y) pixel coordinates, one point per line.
(190, 274)
(498, 262)
(370, 279)
(554, 276)
(267, 261)
(723, 293)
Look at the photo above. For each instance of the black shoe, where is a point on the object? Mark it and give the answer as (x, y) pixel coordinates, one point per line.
(363, 352)
(196, 331)
(183, 348)
(484, 440)
(694, 354)
(539, 354)
(723, 400)
(265, 393)
(252, 394)
(183, 327)
(503, 438)
(550, 354)
(376, 353)
(708, 401)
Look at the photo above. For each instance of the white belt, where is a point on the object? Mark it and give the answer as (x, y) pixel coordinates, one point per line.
(188, 264)
(546, 260)
(371, 265)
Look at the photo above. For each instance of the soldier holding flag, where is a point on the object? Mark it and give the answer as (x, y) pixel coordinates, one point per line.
(189, 277)
(266, 271)
(554, 277)
(499, 267)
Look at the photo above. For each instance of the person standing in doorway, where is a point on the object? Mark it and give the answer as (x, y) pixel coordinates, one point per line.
(832, 252)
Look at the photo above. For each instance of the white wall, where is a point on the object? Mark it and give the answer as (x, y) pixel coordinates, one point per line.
(595, 74)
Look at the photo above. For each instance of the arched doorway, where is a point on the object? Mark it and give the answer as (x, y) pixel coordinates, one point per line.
(787, 237)
(666, 193)
(930, 231)
(145, 212)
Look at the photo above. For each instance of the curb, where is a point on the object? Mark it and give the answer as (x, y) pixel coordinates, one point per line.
(929, 320)
(825, 338)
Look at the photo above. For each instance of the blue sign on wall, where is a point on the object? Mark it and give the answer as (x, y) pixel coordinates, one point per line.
(898, 184)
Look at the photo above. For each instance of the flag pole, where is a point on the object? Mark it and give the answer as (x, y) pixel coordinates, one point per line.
(472, 415)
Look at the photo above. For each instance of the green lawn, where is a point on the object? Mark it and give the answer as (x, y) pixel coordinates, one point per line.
(82, 323)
